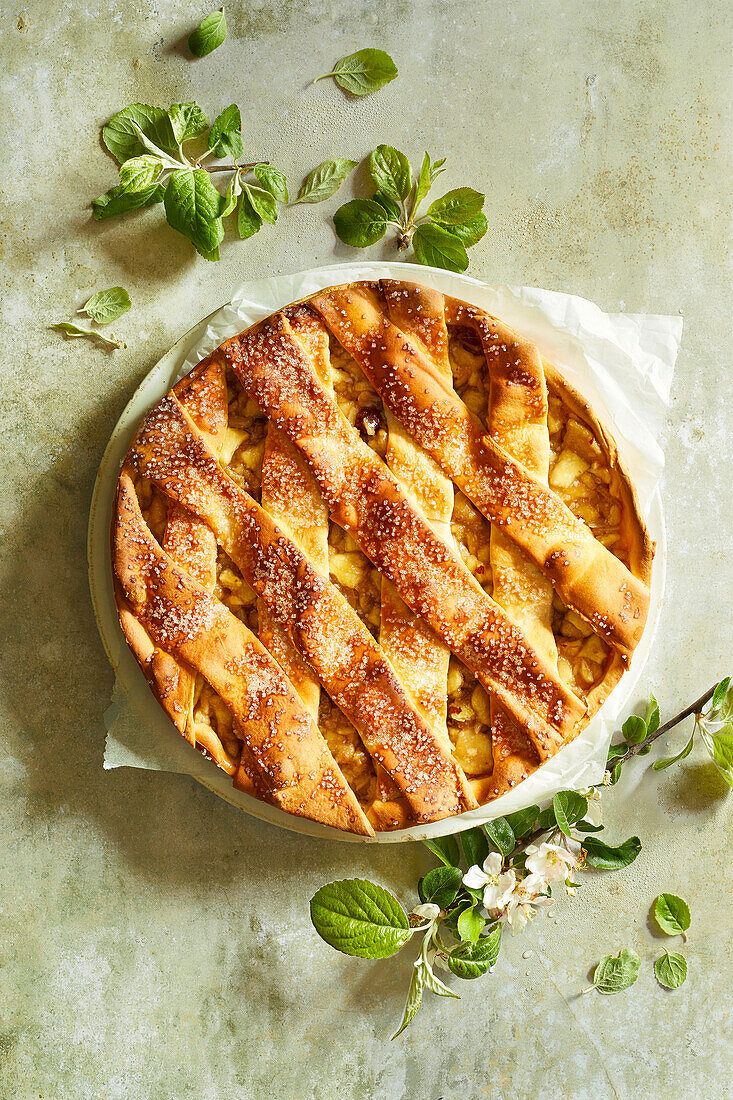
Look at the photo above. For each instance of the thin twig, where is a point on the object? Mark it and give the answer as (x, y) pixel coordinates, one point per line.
(236, 167)
(694, 708)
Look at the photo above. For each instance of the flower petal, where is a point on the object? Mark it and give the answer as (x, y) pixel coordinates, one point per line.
(475, 878)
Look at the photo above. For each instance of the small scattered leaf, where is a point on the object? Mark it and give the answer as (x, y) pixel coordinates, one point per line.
(569, 807)
(470, 960)
(225, 135)
(72, 330)
(391, 172)
(672, 914)
(361, 918)
(325, 180)
(107, 305)
(209, 34)
(501, 835)
(615, 973)
(437, 247)
(607, 858)
(360, 222)
(671, 969)
(363, 72)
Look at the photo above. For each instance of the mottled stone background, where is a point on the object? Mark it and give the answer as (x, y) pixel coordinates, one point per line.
(154, 942)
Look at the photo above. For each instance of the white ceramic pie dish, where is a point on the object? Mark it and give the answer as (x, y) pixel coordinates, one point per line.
(576, 765)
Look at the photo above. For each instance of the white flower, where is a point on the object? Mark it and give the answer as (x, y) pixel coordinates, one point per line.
(594, 813)
(553, 861)
(428, 910)
(528, 894)
(497, 885)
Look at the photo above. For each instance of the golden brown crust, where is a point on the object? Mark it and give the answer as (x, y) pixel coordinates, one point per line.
(547, 575)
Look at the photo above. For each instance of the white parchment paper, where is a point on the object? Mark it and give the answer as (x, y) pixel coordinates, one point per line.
(623, 363)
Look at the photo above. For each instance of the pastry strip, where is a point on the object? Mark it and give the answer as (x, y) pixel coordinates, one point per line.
(180, 615)
(589, 578)
(319, 621)
(366, 500)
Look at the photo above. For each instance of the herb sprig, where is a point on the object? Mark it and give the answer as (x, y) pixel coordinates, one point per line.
(148, 142)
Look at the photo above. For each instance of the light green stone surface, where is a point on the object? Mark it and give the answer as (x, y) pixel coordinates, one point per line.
(155, 943)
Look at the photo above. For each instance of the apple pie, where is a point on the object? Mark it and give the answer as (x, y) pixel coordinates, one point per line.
(377, 559)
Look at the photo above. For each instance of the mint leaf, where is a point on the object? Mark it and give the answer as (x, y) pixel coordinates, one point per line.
(273, 181)
(615, 973)
(363, 72)
(360, 918)
(475, 846)
(209, 34)
(523, 821)
(441, 885)
(414, 997)
(262, 202)
(445, 848)
(666, 761)
(187, 120)
(470, 925)
(120, 200)
(360, 222)
(471, 232)
(672, 914)
(192, 206)
(569, 807)
(436, 247)
(501, 835)
(391, 172)
(72, 330)
(107, 305)
(225, 137)
(139, 172)
(671, 969)
(634, 729)
(123, 140)
(325, 180)
(248, 220)
(456, 207)
(470, 960)
(607, 858)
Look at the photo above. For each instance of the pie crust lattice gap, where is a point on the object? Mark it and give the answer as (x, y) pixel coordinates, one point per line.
(377, 558)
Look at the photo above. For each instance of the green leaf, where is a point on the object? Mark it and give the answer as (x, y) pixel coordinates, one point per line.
(225, 136)
(471, 232)
(72, 330)
(501, 835)
(139, 172)
(720, 693)
(436, 247)
(391, 172)
(360, 918)
(615, 973)
(475, 846)
(546, 820)
(607, 858)
(248, 220)
(634, 729)
(262, 202)
(456, 207)
(414, 998)
(446, 849)
(589, 827)
(470, 960)
(360, 222)
(569, 807)
(234, 190)
(390, 207)
(441, 885)
(187, 120)
(719, 744)
(523, 821)
(363, 72)
(325, 180)
(192, 206)
(120, 200)
(666, 761)
(209, 34)
(671, 969)
(107, 305)
(470, 925)
(123, 140)
(615, 775)
(652, 715)
(672, 914)
(424, 183)
(273, 180)
(615, 751)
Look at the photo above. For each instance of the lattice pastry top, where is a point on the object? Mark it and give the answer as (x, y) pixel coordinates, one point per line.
(377, 559)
